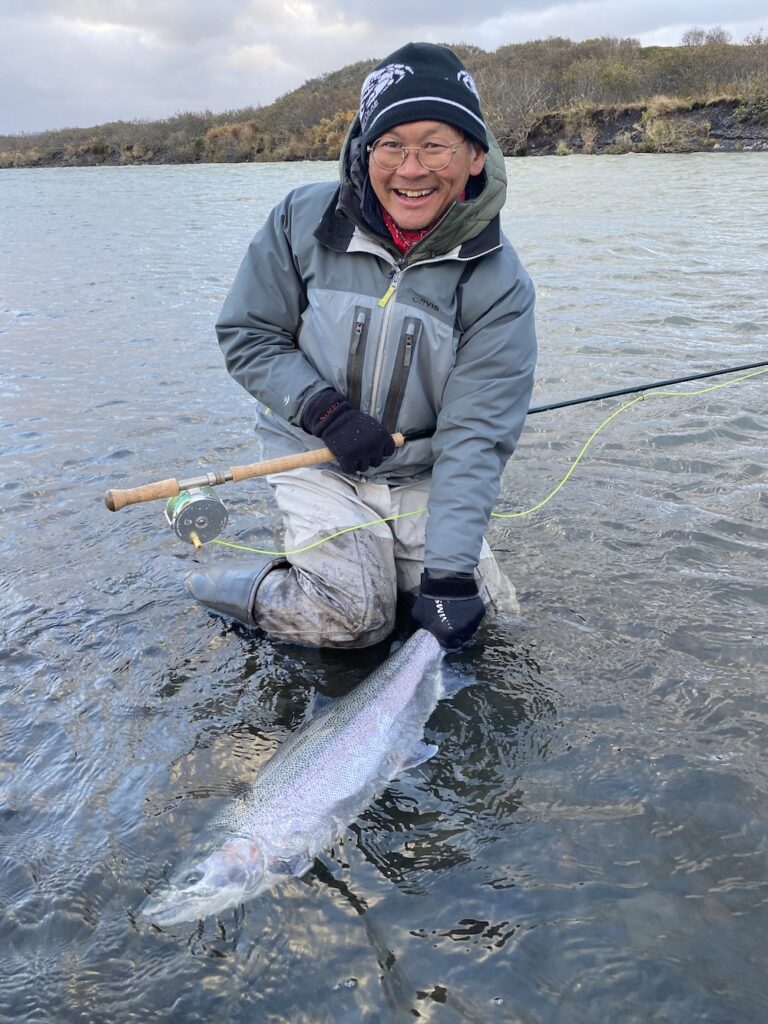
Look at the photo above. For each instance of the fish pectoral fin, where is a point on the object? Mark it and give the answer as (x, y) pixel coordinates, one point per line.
(454, 680)
(296, 866)
(318, 703)
(420, 753)
(331, 866)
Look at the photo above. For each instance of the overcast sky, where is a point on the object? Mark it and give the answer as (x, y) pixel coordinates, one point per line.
(70, 63)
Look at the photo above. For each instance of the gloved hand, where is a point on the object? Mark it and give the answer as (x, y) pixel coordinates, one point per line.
(449, 606)
(357, 440)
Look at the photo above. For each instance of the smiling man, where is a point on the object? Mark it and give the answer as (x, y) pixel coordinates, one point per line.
(389, 303)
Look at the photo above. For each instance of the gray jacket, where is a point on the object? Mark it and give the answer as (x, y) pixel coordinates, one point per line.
(440, 343)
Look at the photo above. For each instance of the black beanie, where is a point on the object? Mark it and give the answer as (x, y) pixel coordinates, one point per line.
(420, 82)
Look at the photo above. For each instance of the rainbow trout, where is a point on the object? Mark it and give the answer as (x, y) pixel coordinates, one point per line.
(315, 784)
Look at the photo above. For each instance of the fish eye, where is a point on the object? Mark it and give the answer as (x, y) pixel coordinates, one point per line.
(192, 878)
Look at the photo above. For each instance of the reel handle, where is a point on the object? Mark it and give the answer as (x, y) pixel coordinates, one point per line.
(116, 499)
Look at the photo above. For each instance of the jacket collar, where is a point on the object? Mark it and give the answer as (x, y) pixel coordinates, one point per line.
(337, 228)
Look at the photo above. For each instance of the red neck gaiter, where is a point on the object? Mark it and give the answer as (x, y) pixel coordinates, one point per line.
(405, 239)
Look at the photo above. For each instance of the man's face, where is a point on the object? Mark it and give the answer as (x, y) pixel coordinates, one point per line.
(413, 196)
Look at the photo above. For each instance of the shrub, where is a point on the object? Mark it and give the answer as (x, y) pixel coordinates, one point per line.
(673, 135)
(621, 144)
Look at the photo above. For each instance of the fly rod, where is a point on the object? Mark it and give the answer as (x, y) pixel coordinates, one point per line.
(197, 515)
(171, 487)
(642, 387)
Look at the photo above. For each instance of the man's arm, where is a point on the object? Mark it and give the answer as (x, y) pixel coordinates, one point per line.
(482, 415)
(258, 322)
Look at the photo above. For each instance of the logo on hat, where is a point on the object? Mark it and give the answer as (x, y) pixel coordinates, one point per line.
(466, 79)
(375, 84)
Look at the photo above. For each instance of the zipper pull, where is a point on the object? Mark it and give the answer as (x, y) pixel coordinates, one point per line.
(391, 290)
(410, 331)
(359, 325)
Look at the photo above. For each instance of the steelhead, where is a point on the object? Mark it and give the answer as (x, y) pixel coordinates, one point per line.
(315, 784)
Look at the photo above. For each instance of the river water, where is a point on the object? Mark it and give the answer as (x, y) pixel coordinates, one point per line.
(589, 844)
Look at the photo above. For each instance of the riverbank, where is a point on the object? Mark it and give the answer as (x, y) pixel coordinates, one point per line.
(546, 96)
(663, 126)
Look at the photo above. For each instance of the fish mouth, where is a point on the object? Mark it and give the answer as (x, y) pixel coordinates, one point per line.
(171, 906)
(233, 872)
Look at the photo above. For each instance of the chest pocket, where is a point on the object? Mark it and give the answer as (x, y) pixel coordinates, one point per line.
(404, 360)
(358, 343)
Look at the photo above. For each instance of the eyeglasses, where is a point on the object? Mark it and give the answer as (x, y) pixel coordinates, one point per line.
(434, 156)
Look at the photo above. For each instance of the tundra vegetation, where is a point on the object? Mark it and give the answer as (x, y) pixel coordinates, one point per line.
(605, 95)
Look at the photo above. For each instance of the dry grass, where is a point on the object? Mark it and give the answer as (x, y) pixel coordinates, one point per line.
(672, 134)
(622, 144)
(588, 139)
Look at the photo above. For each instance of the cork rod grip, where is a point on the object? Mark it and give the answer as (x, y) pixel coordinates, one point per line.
(116, 499)
(298, 461)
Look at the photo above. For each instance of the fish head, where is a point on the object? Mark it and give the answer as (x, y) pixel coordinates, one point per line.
(235, 871)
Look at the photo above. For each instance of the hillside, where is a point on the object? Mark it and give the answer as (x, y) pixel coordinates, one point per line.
(545, 96)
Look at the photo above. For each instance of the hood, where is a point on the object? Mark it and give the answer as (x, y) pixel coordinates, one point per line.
(463, 221)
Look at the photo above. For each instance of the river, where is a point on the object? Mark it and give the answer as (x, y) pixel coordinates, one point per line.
(589, 844)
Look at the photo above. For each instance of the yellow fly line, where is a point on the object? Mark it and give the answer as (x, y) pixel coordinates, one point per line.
(502, 515)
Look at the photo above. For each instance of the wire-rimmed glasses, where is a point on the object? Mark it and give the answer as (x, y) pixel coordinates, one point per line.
(433, 156)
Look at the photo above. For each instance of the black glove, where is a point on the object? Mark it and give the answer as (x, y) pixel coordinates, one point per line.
(449, 606)
(357, 440)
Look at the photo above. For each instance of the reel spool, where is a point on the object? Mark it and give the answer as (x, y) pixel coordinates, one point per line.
(196, 515)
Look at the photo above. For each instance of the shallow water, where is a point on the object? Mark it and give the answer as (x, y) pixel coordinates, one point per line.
(590, 840)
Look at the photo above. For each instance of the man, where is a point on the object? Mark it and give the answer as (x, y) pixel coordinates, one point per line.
(389, 303)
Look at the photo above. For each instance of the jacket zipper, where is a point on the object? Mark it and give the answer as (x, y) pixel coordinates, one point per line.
(356, 356)
(385, 302)
(400, 379)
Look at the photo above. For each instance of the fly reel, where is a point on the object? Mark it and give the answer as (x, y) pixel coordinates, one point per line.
(196, 515)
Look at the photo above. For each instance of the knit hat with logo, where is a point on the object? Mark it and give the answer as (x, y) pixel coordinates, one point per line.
(420, 82)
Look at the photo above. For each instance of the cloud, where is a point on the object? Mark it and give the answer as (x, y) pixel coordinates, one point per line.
(169, 22)
(615, 18)
(83, 62)
(436, 14)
